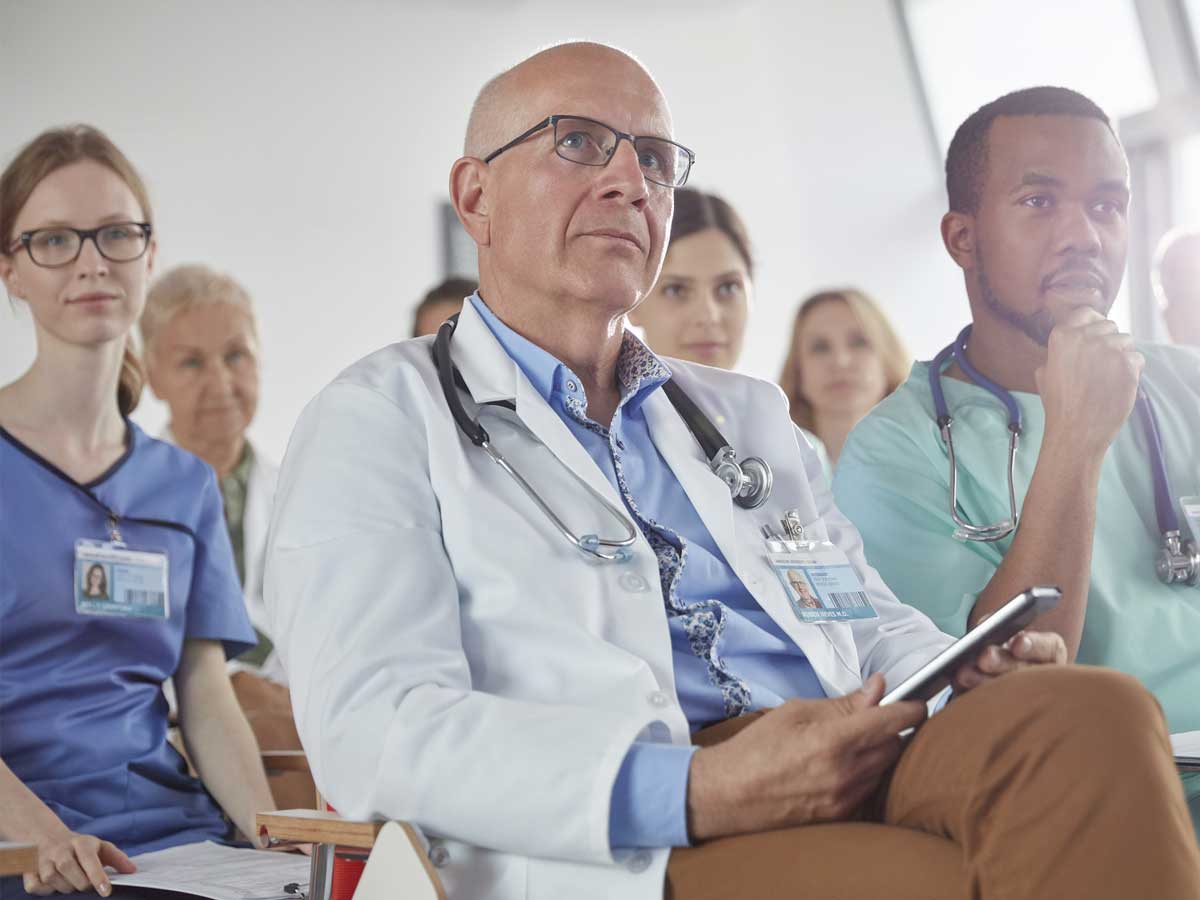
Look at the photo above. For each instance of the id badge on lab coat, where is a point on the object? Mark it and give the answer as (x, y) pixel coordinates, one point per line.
(112, 579)
(821, 584)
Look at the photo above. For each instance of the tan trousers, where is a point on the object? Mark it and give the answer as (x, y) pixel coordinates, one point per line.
(1055, 782)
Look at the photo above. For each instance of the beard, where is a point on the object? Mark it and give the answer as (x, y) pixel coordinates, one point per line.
(1036, 325)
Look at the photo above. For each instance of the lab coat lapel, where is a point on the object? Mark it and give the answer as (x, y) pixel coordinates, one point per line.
(708, 493)
(491, 375)
(826, 646)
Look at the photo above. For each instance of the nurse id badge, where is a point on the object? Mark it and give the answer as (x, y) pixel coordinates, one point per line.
(115, 580)
(821, 584)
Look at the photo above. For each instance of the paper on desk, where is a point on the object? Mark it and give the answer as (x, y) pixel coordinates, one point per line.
(1186, 747)
(219, 873)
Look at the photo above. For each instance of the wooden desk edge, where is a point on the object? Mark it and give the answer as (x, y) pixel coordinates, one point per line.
(312, 826)
(17, 859)
(284, 760)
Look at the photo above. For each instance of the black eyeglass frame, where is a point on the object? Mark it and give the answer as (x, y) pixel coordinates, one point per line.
(551, 121)
(25, 238)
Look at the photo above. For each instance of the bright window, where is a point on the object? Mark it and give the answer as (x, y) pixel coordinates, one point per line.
(1193, 11)
(1187, 200)
(972, 52)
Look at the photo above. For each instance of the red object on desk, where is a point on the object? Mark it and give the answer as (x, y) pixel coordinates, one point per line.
(346, 874)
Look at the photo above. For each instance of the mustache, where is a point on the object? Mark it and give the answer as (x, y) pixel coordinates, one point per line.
(1074, 268)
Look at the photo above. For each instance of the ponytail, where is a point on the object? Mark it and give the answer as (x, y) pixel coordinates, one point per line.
(133, 378)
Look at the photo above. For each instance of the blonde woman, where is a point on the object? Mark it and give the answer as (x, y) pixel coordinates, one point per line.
(843, 359)
(86, 771)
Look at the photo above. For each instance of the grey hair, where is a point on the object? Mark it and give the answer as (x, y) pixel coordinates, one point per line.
(187, 287)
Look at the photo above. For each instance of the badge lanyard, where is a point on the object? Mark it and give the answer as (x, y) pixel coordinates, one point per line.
(112, 578)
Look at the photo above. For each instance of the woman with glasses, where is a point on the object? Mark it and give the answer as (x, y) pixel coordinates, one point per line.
(844, 358)
(86, 771)
(698, 308)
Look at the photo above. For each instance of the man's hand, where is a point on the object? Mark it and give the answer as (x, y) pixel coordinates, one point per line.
(1089, 381)
(70, 862)
(1024, 649)
(804, 761)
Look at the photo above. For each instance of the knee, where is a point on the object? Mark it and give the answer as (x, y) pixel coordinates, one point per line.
(1083, 703)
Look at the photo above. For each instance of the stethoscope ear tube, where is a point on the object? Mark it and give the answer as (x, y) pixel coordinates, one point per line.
(749, 482)
(594, 546)
(446, 371)
(964, 530)
(1177, 561)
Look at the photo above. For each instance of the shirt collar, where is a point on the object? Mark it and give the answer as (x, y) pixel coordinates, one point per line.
(639, 371)
(241, 472)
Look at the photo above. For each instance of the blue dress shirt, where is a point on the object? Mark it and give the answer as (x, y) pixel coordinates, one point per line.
(649, 797)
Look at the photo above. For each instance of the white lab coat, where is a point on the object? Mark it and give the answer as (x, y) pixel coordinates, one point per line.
(456, 664)
(256, 520)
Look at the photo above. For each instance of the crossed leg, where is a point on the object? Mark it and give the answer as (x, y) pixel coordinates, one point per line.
(1050, 782)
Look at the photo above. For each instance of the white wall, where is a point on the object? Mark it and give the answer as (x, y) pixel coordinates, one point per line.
(304, 147)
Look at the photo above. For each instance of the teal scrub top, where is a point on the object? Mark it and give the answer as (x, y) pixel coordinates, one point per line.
(892, 481)
(822, 453)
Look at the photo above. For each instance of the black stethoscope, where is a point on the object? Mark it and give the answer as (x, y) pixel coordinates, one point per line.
(1178, 559)
(749, 481)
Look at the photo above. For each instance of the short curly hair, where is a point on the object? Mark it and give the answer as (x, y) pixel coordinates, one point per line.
(966, 160)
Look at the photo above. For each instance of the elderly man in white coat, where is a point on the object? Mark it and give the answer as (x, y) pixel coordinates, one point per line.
(521, 658)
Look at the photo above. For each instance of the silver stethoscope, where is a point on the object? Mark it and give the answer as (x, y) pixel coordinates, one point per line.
(749, 481)
(1178, 559)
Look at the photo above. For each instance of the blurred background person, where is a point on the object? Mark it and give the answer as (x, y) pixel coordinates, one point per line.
(202, 351)
(843, 359)
(1177, 284)
(442, 301)
(86, 770)
(697, 310)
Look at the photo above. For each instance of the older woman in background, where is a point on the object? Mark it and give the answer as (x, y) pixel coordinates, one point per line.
(697, 310)
(202, 359)
(843, 359)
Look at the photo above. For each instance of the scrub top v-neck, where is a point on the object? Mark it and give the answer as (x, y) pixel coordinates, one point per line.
(83, 719)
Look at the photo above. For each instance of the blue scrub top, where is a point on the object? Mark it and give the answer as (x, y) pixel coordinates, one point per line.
(83, 719)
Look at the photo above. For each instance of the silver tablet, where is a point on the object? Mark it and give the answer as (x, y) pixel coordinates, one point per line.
(995, 629)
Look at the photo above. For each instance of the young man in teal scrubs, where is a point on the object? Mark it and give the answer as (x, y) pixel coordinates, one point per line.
(1038, 223)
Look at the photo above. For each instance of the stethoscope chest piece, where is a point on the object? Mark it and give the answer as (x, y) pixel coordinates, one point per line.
(1178, 561)
(749, 481)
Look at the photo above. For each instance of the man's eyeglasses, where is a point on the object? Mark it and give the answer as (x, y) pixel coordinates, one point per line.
(585, 141)
(51, 248)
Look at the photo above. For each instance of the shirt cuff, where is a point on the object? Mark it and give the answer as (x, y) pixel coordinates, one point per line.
(649, 798)
(938, 702)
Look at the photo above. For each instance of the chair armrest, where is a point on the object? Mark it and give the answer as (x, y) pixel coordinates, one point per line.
(311, 826)
(17, 859)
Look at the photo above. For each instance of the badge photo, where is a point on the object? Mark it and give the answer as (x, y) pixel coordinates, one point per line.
(821, 584)
(112, 579)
